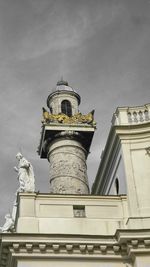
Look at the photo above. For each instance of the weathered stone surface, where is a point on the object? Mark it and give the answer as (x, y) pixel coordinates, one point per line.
(68, 171)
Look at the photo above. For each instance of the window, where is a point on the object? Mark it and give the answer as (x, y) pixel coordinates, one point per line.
(66, 108)
(117, 186)
(51, 110)
(79, 211)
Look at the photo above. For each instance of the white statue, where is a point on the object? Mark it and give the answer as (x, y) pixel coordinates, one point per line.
(25, 175)
(8, 225)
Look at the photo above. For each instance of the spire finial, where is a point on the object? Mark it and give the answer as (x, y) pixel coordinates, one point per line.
(62, 82)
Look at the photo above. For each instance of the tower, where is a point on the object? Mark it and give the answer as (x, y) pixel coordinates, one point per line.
(65, 141)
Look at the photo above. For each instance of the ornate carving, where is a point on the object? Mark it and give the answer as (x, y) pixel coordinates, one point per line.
(68, 170)
(16, 246)
(116, 248)
(29, 246)
(103, 248)
(69, 247)
(90, 248)
(56, 247)
(63, 118)
(42, 247)
(82, 247)
(134, 242)
(64, 167)
(68, 185)
(147, 242)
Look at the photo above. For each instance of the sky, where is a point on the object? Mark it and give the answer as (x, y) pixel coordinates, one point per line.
(101, 47)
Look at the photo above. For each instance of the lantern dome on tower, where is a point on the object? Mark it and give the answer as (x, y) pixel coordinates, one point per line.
(63, 86)
(63, 91)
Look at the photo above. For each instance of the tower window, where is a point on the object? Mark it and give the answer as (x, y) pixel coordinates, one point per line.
(117, 186)
(51, 110)
(66, 108)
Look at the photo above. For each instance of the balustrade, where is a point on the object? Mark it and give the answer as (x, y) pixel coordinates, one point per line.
(138, 116)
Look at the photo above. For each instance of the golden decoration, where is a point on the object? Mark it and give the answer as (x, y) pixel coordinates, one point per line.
(63, 118)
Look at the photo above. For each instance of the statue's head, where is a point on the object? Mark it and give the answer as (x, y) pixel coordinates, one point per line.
(19, 156)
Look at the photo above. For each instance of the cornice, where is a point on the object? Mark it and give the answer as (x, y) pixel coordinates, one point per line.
(68, 198)
(124, 246)
(136, 131)
(63, 92)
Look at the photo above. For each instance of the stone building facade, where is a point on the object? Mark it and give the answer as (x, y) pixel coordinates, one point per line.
(69, 226)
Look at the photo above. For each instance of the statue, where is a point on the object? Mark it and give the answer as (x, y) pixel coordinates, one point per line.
(8, 225)
(25, 175)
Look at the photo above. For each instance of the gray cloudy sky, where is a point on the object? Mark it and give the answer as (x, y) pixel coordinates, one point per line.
(102, 47)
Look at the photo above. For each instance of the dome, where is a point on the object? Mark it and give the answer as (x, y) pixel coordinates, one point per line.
(63, 89)
(63, 86)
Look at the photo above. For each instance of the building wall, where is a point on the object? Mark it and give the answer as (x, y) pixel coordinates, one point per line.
(137, 162)
(72, 263)
(118, 172)
(126, 154)
(71, 214)
(91, 230)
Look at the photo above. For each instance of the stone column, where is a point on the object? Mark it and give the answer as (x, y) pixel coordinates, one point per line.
(68, 170)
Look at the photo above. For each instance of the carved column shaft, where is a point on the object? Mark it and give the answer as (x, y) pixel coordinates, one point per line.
(68, 170)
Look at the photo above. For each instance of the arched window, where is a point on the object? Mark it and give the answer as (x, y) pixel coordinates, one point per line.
(66, 108)
(117, 186)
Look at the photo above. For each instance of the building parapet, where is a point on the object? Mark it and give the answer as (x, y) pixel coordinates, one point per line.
(72, 214)
(131, 115)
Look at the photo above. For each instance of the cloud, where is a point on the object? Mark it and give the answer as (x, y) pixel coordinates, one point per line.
(55, 35)
(56, 26)
(39, 6)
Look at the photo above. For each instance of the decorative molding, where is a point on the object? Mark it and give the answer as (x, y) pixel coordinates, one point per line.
(42, 247)
(125, 245)
(56, 247)
(78, 118)
(98, 250)
(147, 242)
